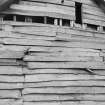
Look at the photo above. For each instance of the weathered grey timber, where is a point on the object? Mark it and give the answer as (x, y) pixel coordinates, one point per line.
(52, 52)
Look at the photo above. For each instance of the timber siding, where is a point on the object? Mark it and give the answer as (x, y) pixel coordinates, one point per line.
(52, 63)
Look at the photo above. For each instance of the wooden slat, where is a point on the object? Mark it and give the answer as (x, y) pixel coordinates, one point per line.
(10, 94)
(68, 37)
(27, 42)
(52, 77)
(65, 58)
(11, 86)
(64, 90)
(11, 102)
(66, 103)
(61, 12)
(36, 30)
(6, 78)
(60, 49)
(61, 71)
(11, 70)
(6, 53)
(88, 83)
(92, 65)
(48, 1)
(71, 97)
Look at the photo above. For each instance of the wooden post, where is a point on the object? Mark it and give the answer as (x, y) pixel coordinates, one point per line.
(45, 20)
(84, 26)
(14, 18)
(60, 22)
(71, 23)
(55, 21)
(100, 28)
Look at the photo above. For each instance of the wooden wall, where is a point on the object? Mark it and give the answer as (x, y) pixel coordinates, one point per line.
(43, 64)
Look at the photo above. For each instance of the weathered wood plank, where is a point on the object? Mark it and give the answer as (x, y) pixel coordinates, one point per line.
(60, 49)
(66, 103)
(4, 34)
(70, 97)
(56, 8)
(6, 78)
(26, 42)
(10, 102)
(63, 58)
(92, 65)
(56, 77)
(36, 30)
(10, 94)
(61, 71)
(4, 60)
(71, 31)
(88, 83)
(44, 11)
(11, 70)
(67, 37)
(94, 22)
(93, 11)
(91, 16)
(11, 85)
(6, 53)
(64, 90)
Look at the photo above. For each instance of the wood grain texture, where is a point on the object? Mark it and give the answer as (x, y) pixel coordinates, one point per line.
(92, 65)
(66, 103)
(10, 102)
(7, 78)
(70, 97)
(63, 83)
(14, 94)
(65, 90)
(52, 77)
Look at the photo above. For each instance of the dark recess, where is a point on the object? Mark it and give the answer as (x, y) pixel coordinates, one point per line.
(78, 12)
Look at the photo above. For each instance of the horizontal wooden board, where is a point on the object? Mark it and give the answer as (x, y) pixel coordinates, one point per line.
(60, 49)
(48, 1)
(61, 71)
(66, 103)
(94, 17)
(94, 22)
(11, 102)
(44, 11)
(11, 70)
(25, 42)
(36, 30)
(69, 53)
(73, 31)
(64, 90)
(62, 58)
(4, 60)
(88, 83)
(11, 86)
(10, 94)
(56, 8)
(70, 97)
(56, 77)
(67, 37)
(92, 65)
(6, 53)
(11, 78)
(93, 11)
(4, 34)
